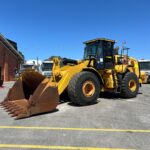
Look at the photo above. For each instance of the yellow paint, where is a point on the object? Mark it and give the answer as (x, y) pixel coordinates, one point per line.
(74, 129)
(108, 79)
(67, 72)
(56, 147)
(88, 89)
(132, 85)
(143, 76)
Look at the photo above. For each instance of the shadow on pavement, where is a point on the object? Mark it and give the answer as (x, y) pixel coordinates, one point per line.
(40, 114)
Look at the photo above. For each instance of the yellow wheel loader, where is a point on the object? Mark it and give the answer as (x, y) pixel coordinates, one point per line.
(100, 70)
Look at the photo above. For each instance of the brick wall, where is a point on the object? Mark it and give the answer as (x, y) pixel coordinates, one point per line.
(8, 62)
(2, 59)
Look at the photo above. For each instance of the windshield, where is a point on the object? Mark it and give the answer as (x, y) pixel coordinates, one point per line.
(93, 50)
(90, 50)
(144, 65)
(47, 66)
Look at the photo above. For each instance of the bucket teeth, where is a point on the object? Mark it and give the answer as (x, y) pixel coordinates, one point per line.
(13, 110)
(10, 108)
(7, 105)
(2, 103)
(16, 113)
(17, 108)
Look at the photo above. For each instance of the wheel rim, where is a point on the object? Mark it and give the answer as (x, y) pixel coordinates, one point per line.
(88, 88)
(132, 85)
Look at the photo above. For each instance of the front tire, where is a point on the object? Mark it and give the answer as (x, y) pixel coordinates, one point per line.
(130, 85)
(84, 88)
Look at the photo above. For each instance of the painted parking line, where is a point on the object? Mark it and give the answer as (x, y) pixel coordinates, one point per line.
(56, 147)
(74, 129)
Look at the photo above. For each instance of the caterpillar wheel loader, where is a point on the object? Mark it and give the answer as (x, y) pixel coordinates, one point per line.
(100, 70)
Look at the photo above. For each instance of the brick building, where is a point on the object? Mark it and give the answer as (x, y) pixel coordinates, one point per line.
(10, 59)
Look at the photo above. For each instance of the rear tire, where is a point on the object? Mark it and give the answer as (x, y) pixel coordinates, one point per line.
(84, 88)
(130, 85)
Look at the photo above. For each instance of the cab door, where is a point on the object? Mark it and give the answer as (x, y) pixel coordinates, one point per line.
(108, 55)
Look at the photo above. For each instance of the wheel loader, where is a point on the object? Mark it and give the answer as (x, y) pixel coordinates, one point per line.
(102, 69)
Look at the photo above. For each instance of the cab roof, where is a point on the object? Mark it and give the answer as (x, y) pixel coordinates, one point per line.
(99, 39)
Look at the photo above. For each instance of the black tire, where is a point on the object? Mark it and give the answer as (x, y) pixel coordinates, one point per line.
(126, 91)
(75, 87)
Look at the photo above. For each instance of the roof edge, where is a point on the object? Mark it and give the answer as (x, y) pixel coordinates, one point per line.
(99, 39)
(10, 45)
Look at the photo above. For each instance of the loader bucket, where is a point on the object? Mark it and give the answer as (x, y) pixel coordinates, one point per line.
(31, 94)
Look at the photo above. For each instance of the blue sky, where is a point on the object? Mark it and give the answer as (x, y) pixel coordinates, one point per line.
(58, 27)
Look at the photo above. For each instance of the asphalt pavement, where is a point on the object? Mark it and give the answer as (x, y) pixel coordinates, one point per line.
(113, 123)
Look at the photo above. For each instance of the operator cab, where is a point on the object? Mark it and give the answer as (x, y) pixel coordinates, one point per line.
(102, 51)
